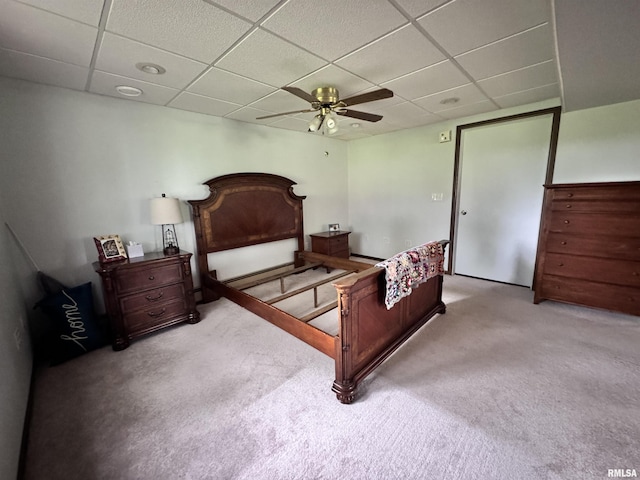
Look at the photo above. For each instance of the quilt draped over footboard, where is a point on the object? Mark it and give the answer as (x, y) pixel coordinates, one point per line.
(406, 270)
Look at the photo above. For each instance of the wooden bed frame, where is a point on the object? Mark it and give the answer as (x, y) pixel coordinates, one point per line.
(252, 208)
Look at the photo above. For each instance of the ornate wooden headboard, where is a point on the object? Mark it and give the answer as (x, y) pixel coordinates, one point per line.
(245, 209)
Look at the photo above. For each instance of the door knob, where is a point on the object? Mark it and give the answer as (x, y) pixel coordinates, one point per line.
(463, 212)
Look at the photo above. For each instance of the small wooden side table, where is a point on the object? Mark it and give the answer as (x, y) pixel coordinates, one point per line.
(145, 294)
(335, 244)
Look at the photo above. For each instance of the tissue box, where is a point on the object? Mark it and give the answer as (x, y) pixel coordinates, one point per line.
(135, 250)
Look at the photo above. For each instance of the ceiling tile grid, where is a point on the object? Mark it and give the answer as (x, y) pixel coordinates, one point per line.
(443, 59)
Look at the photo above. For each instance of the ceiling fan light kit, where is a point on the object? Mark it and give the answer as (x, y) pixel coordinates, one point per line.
(327, 101)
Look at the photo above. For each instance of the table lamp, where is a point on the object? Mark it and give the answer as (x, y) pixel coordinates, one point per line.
(165, 211)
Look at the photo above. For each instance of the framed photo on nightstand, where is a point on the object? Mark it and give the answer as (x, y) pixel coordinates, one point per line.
(110, 248)
(334, 227)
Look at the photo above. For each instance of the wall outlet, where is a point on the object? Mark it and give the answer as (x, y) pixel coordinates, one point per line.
(437, 197)
(445, 136)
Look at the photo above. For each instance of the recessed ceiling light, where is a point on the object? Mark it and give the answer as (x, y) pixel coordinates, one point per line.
(355, 125)
(150, 68)
(128, 91)
(450, 101)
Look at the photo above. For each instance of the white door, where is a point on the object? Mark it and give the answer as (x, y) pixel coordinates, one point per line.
(503, 168)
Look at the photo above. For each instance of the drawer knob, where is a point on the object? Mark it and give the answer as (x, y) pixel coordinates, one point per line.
(561, 264)
(566, 222)
(569, 195)
(157, 314)
(635, 274)
(563, 243)
(151, 277)
(568, 205)
(157, 297)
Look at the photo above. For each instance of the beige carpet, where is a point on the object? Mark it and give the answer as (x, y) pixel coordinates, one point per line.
(498, 388)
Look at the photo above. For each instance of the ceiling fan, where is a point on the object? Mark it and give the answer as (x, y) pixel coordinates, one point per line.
(326, 101)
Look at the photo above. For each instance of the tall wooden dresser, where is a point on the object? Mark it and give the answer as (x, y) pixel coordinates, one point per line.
(145, 294)
(589, 250)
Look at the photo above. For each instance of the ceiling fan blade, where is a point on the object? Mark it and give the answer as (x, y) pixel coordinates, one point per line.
(367, 97)
(369, 117)
(298, 92)
(285, 113)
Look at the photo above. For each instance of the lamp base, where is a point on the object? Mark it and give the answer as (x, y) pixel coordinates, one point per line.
(171, 250)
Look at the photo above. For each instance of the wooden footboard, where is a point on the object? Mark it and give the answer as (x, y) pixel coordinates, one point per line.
(369, 333)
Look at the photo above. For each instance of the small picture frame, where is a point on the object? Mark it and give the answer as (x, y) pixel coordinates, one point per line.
(334, 227)
(110, 248)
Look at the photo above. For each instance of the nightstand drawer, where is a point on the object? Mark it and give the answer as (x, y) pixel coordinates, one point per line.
(141, 279)
(154, 317)
(151, 298)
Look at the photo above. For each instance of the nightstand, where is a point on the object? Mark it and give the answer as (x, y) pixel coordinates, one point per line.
(145, 294)
(335, 244)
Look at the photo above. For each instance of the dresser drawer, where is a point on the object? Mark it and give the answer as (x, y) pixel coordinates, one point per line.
(154, 317)
(604, 193)
(616, 205)
(151, 298)
(584, 292)
(619, 272)
(593, 224)
(597, 246)
(145, 278)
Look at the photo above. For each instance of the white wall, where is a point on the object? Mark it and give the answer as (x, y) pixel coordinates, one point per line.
(599, 145)
(15, 353)
(80, 165)
(392, 177)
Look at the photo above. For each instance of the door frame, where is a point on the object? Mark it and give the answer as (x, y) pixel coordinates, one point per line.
(551, 161)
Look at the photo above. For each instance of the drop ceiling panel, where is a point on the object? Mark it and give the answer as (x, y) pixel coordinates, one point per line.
(465, 95)
(333, 28)
(86, 11)
(120, 55)
(484, 21)
(251, 9)
(280, 101)
(416, 8)
(527, 48)
(468, 110)
(183, 27)
(523, 79)
(222, 53)
(42, 70)
(599, 47)
(31, 30)
(216, 83)
(200, 104)
(442, 76)
(105, 84)
(269, 59)
(366, 61)
(529, 96)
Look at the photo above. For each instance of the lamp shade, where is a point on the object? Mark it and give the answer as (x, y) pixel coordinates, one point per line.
(165, 211)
